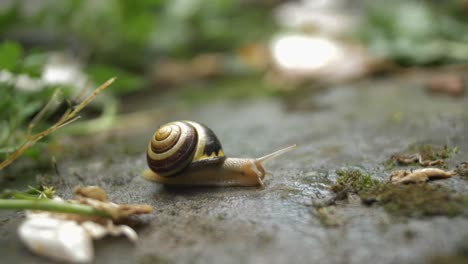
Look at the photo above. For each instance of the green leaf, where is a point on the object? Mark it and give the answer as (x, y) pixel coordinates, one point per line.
(9, 15)
(33, 64)
(10, 55)
(128, 81)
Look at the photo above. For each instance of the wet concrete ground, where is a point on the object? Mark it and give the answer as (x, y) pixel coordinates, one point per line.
(352, 126)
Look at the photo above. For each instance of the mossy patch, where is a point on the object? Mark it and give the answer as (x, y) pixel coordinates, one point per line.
(418, 201)
(353, 181)
(327, 217)
(429, 153)
(221, 217)
(462, 169)
(432, 152)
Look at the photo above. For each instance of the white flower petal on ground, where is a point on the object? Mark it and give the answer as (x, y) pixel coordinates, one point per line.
(98, 231)
(55, 238)
(67, 236)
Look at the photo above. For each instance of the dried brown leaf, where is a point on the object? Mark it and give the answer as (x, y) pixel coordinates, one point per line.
(419, 176)
(97, 198)
(115, 210)
(406, 159)
(92, 192)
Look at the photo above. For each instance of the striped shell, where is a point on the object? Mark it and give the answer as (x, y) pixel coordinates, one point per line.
(177, 145)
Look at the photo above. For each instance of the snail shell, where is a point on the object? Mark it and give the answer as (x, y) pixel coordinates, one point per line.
(176, 145)
(189, 153)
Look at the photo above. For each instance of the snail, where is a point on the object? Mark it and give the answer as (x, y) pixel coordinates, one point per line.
(189, 153)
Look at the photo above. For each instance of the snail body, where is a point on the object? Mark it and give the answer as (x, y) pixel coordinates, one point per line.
(189, 153)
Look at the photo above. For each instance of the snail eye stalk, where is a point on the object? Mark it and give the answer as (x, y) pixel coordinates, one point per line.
(275, 154)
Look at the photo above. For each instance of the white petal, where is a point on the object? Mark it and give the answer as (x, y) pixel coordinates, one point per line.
(98, 231)
(129, 232)
(95, 230)
(57, 239)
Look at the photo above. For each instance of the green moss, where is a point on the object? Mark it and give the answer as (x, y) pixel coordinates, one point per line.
(221, 217)
(390, 163)
(421, 200)
(432, 152)
(428, 152)
(415, 200)
(353, 181)
(462, 169)
(327, 217)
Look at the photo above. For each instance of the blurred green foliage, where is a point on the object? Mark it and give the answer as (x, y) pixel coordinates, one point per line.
(126, 38)
(10, 54)
(128, 82)
(16, 111)
(18, 106)
(112, 38)
(186, 27)
(417, 32)
(133, 34)
(13, 59)
(120, 38)
(230, 88)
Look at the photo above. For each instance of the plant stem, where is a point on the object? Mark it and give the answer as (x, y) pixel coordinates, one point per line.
(23, 196)
(68, 117)
(52, 206)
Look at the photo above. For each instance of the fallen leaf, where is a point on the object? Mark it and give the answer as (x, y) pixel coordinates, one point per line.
(419, 176)
(116, 211)
(97, 198)
(92, 192)
(405, 159)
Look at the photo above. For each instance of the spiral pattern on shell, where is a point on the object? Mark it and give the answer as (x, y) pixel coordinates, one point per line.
(176, 145)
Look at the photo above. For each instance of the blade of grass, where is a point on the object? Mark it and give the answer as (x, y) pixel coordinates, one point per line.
(41, 113)
(93, 95)
(68, 117)
(51, 206)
